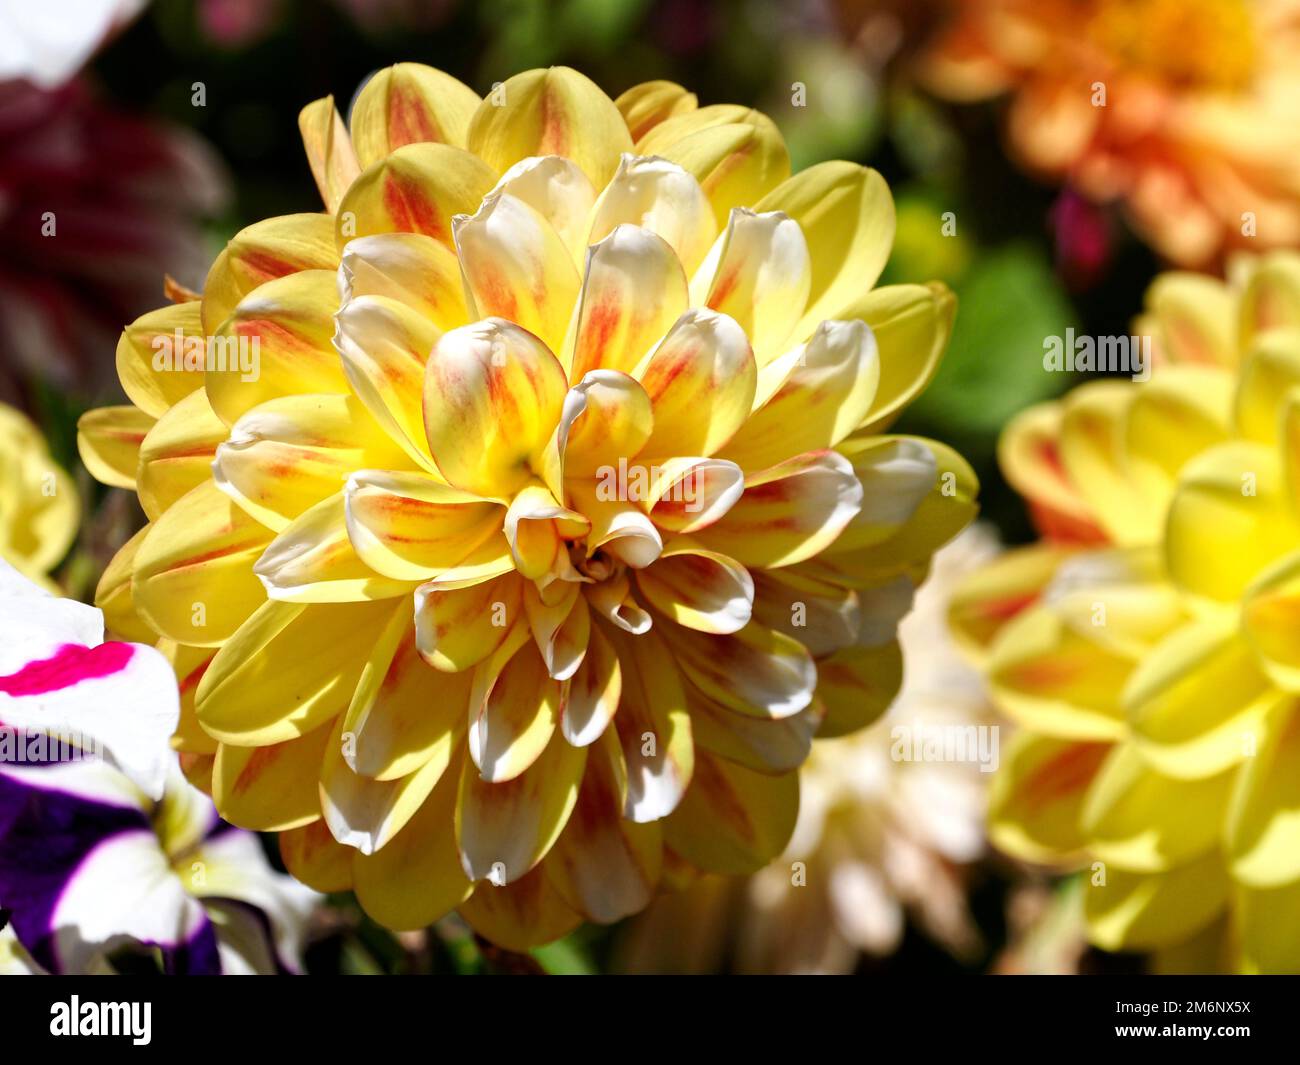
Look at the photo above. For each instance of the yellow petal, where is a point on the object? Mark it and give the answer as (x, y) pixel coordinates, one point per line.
(560, 624)
(490, 559)
(911, 324)
(516, 267)
(409, 527)
(701, 589)
(312, 561)
(756, 670)
(634, 290)
(1029, 453)
(613, 600)
(151, 363)
(901, 523)
(288, 454)
(1263, 830)
(645, 105)
(274, 247)
(1270, 372)
(772, 747)
(1270, 934)
(417, 877)
(270, 789)
(492, 397)
(1268, 621)
(701, 381)
(826, 397)
(524, 914)
(660, 196)
(505, 829)
(986, 599)
(409, 103)
(1144, 822)
(514, 707)
(847, 217)
(1272, 297)
(618, 527)
(594, 693)
(550, 112)
(820, 614)
(654, 727)
(1196, 701)
(366, 813)
(403, 715)
(735, 153)
(329, 150)
(270, 682)
(1173, 418)
(759, 273)
(113, 595)
(607, 417)
(109, 440)
(789, 512)
(383, 346)
(1144, 911)
(1228, 521)
(683, 494)
(315, 858)
(277, 342)
(1037, 796)
(1056, 678)
(603, 865)
(189, 664)
(42, 507)
(410, 268)
(1092, 454)
(176, 456)
(193, 580)
(416, 189)
(558, 190)
(533, 527)
(1195, 317)
(856, 685)
(733, 820)
(457, 629)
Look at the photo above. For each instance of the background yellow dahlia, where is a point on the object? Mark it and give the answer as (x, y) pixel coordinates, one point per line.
(39, 508)
(1147, 645)
(515, 524)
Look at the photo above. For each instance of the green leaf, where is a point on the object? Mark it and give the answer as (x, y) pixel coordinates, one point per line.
(564, 957)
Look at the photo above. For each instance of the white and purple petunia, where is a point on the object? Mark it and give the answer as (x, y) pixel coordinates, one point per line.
(90, 866)
(60, 682)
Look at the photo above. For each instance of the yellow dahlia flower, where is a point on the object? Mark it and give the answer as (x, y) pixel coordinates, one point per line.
(515, 524)
(38, 501)
(1151, 661)
(1183, 111)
